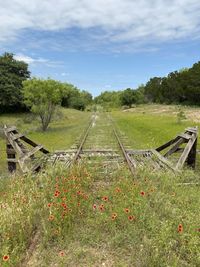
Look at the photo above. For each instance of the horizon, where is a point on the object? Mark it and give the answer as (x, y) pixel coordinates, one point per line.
(104, 45)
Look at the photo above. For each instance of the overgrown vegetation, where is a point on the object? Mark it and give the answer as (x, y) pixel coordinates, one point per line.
(146, 221)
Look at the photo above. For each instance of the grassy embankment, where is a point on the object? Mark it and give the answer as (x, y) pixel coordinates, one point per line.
(84, 219)
(61, 133)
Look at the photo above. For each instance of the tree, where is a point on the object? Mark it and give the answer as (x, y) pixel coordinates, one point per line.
(128, 97)
(42, 96)
(12, 74)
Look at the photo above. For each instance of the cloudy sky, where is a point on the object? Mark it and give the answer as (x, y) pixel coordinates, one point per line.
(101, 44)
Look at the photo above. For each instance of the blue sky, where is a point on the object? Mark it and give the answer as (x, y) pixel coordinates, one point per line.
(102, 44)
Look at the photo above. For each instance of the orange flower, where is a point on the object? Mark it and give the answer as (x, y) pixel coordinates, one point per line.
(117, 190)
(6, 257)
(61, 254)
(180, 228)
(142, 193)
(51, 218)
(105, 198)
(131, 218)
(114, 216)
(127, 210)
(101, 207)
(57, 193)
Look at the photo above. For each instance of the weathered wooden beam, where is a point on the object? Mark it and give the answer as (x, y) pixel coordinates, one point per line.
(11, 156)
(32, 152)
(162, 159)
(171, 142)
(32, 143)
(174, 148)
(186, 151)
(191, 160)
(18, 136)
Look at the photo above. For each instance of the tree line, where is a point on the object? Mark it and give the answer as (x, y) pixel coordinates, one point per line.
(15, 77)
(178, 87)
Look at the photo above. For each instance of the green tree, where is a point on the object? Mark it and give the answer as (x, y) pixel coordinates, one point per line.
(128, 97)
(12, 74)
(42, 96)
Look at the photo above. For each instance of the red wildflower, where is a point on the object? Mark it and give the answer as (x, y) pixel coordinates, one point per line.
(131, 218)
(61, 254)
(94, 207)
(6, 257)
(57, 193)
(79, 192)
(105, 198)
(142, 193)
(127, 210)
(114, 216)
(49, 205)
(180, 228)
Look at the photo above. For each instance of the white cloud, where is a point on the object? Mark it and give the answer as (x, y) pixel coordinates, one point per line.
(115, 20)
(33, 61)
(30, 60)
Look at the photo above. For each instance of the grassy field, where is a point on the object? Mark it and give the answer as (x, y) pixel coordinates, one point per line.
(80, 218)
(62, 133)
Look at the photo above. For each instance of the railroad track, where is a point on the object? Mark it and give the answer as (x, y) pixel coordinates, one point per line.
(100, 145)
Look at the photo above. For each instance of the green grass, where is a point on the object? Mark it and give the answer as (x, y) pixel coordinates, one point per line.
(61, 134)
(84, 218)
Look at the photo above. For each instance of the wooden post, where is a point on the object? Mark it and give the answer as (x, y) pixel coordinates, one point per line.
(11, 154)
(191, 160)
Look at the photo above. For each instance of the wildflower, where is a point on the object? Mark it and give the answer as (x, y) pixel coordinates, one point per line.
(117, 190)
(142, 193)
(114, 216)
(57, 193)
(6, 257)
(131, 218)
(101, 207)
(61, 254)
(94, 207)
(105, 198)
(49, 205)
(51, 218)
(127, 210)
(180, 228)
(79, 192)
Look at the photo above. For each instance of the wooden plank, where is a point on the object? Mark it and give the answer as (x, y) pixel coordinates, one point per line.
(32, 152)
(175, 147)
(11, 156)
(163, 160)
(10, 129)
(13, 160)
(171, 142)
(186, 151)
(191, 160)
(18, 136)
(185, 136)
(192, 129)
(32, 143)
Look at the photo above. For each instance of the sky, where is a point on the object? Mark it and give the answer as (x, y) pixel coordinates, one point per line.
(100, 45)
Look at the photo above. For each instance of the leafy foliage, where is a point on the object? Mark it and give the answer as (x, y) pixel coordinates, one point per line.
(42, 96)
(12, 74)
(178, 87)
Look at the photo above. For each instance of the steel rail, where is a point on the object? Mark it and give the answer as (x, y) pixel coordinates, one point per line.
(82, 142)
(129, 161)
